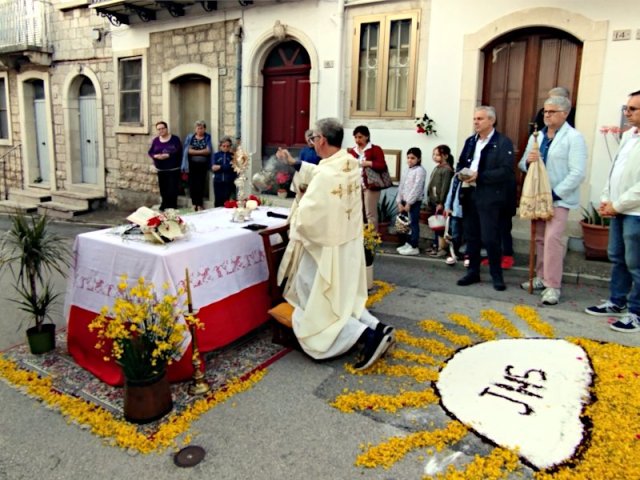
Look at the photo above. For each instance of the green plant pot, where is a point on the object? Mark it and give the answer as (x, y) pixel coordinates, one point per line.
(43, 340)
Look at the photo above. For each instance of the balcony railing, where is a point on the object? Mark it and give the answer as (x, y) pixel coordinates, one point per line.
(25, 25)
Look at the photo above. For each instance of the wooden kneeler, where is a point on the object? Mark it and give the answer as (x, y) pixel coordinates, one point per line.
(281, 312)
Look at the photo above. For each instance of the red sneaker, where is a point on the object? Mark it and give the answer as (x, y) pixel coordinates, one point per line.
(507, 262)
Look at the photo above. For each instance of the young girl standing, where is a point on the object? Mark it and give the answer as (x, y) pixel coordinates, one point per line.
(438, 189)
(410, 195)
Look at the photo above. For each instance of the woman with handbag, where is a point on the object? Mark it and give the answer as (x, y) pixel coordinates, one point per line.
(196, 161)
(410, 195)
(375, 174)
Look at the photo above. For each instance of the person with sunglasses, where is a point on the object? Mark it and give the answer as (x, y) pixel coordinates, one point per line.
(564, 153)
(620, 201)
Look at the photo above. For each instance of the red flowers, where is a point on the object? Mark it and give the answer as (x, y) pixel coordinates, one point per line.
(230, 204)
(282, 178)
(253, 197)
(154, 221)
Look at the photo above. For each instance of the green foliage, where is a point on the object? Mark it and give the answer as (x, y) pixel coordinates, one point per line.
(387, 208)
(29, 250)
(592, 217)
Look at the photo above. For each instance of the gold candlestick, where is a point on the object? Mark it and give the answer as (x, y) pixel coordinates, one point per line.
(199, 385)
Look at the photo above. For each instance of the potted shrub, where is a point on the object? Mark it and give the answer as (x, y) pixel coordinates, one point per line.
(387, 211)
(372, 241)
(595, 233)
(31, 252)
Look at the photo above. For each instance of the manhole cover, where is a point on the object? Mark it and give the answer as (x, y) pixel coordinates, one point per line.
(189, 456)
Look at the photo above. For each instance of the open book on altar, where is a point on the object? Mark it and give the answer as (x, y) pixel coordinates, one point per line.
(142, 216)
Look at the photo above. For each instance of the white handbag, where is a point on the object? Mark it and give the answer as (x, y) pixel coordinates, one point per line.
(437, 222)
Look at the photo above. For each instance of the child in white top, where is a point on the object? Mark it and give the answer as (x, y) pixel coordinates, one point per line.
(410, 196)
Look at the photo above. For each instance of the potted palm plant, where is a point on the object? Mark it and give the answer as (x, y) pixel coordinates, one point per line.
(31, 252)
(595, 233)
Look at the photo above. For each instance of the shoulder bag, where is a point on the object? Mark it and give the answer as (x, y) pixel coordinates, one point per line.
(377, 180)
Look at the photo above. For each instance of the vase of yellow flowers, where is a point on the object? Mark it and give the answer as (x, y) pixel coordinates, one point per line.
(144, 332)
(371, 240)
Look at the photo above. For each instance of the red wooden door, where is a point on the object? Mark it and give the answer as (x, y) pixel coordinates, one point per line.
(285, 106)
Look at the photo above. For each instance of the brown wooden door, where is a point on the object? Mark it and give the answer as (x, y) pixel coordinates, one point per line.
(519, 69)
(285, 106)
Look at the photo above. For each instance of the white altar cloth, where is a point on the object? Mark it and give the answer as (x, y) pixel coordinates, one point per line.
(223, 258)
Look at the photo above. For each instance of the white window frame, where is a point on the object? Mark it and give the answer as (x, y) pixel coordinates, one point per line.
(142, 126)
(8, 140)
(385, 21)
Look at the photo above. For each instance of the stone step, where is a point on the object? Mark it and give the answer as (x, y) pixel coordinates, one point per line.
(29, 195)
(86, 200)
(12, 207)
(60, 210)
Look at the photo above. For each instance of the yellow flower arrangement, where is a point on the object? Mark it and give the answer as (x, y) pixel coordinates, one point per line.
(142, 332)
(371, 240)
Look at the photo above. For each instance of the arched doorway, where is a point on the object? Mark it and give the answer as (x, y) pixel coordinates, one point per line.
(190, 101)
(41, 133)
(88, 123)
(520, 67)
(285, 104)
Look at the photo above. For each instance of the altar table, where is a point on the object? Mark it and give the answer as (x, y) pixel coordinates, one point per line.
(228, 278)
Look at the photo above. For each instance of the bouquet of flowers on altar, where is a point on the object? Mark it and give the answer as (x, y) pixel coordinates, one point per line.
(143, 332)
(159, 227)
(282, 178)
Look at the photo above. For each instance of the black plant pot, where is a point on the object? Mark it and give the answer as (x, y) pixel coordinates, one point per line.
(42, 340)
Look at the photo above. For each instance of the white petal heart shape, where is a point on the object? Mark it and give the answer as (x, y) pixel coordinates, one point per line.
(521, 393)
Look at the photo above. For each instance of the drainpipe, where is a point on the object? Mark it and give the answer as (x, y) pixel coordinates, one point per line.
(339, 61)
(237, 32)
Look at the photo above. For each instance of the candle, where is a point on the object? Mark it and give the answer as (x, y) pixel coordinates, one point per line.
(188, 288)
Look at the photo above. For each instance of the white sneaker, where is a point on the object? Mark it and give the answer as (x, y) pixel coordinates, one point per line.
(410, 251)
(551, 296)
(403, 247)
(537, 284)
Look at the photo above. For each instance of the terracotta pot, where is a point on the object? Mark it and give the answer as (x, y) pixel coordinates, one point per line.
(147, 400)
(42, 340)
(596, 240)
(383, 230)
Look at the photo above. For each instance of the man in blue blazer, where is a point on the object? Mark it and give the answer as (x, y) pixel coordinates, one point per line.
(486, 171)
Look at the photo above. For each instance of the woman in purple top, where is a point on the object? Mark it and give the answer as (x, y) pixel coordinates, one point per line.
(166, 152)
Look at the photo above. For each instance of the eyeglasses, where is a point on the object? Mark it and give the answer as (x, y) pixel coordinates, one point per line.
(551, 112)
(313, 138)
(630, 109)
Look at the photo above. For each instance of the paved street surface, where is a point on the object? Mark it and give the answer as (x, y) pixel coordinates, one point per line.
(284, 427)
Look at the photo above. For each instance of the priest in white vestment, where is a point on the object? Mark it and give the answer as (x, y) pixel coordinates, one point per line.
(324, 262)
